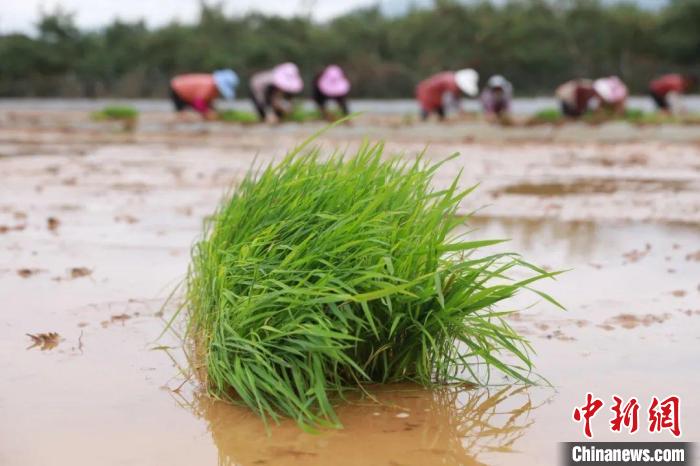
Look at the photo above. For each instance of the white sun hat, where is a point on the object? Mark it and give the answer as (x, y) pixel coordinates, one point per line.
(468, 81)
(498, 81)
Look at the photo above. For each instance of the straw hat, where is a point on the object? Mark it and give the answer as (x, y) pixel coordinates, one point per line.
(287, 78)
(468, 81)
(333, 82)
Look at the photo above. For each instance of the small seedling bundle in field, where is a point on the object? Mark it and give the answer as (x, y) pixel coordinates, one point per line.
(238, 116)
(321, 275)
(117, 112)
(301, 114)
(631, 115)
(547, 115)
(124, 114)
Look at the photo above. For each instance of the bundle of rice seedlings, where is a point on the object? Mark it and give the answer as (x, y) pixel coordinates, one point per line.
(634, 115)
(301, 114)
(594, 117)
(657, 118)
(116, 112)
(124, 114)
(320, 275)
(546, 115)
(238, 116)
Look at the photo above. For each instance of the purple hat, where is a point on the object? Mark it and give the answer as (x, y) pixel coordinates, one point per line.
(333, 82)
(286, 77)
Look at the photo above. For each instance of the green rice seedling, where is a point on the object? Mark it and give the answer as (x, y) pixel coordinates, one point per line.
(301, 114)
(658, 118)
(117, 112)
(634, 115)
(547, 115)
(323, 274)
(238, 116)
(121, 113)
(600, 116)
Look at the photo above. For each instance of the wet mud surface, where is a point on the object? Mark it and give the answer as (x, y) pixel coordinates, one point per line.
(95, 230)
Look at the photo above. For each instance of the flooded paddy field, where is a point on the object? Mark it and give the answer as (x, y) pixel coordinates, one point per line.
(95, 230)
(521, 105)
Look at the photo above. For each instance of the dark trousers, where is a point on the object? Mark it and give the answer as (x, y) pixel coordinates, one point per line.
(261, 107)
(424, 114)
(322, 99)
(660, 100)
(570, 110)
(178, 102)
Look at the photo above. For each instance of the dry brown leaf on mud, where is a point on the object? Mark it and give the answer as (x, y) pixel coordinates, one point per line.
(636, 255)
(126, 219)
(52, 223)
(77, 272)
(45, 341)
(630, 321)
(26, 273)
(6, 228)
(120, 317)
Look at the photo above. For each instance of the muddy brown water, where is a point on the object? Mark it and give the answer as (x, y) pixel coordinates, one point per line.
(127, 212)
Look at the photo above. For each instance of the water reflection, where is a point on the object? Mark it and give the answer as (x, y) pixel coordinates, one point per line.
(575, 240)
(409, 425)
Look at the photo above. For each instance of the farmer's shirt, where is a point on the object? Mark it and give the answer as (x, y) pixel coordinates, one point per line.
(576, 94)
(431, 91)
(259, 84)
(198, 90)
(495, 102)
(668, 83)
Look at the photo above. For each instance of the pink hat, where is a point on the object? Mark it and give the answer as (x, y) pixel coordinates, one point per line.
(611, 89)
(286, 77)
(333, 82)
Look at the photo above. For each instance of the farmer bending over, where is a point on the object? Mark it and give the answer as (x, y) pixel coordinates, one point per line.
(273, 90)
(575, 97)
(448, 85)
(666, 90)
(612, 93)
(496, 98)
(331, 84)
(198, 91)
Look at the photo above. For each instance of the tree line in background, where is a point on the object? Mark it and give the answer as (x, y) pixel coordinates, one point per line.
(537, 44)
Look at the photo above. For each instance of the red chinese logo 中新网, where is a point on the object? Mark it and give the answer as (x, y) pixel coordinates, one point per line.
(662, 414)
(665, 414)
(627, 415)
(586, 413)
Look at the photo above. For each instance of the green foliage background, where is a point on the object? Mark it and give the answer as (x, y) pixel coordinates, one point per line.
(535, 43)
